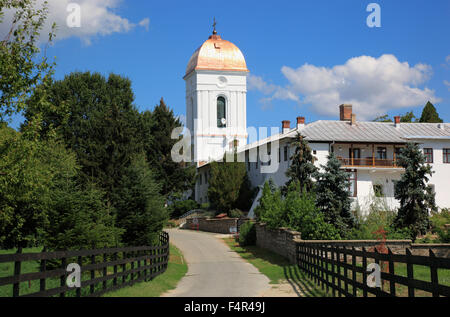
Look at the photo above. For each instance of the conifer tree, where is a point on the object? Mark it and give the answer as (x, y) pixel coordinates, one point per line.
(417, 199)
(175, 178)
(429, 114)
(229, 186)
(333, 195)
(302, 167)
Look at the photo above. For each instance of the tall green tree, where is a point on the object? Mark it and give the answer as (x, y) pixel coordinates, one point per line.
(96, 118)
(417, 199)
(302, 167)
(22, 70)
(429, 114)
(333, 195)
(140, 206)
(175, 177)
(28, 168)
(229, 186)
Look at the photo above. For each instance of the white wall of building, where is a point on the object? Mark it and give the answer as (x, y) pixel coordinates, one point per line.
(441, 175)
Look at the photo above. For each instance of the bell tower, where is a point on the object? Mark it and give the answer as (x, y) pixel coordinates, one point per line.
(216, 93)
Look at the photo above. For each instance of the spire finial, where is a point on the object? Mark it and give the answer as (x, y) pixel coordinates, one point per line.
(214, 26)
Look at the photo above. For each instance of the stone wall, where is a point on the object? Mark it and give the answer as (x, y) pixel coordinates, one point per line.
(440, 250)
(284, 242)
(212, 225)
(281, 241)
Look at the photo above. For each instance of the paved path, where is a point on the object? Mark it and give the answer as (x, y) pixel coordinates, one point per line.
(214, 270)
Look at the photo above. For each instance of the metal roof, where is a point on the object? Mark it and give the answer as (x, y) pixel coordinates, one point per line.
(386, 132)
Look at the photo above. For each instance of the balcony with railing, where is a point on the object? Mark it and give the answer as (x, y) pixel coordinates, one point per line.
(367, 162)
(367, 155)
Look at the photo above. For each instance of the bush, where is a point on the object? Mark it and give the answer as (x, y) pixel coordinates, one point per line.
(305, 217)
(235, 213)
(379, 217)
(180, 207)
(247, 234)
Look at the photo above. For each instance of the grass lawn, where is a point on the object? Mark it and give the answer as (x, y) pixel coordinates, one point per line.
(176, 269)
(276, 268)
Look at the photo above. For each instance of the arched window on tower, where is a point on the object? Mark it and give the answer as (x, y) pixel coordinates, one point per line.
(221, 115)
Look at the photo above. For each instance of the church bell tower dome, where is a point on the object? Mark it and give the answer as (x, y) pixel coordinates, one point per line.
(217, 54)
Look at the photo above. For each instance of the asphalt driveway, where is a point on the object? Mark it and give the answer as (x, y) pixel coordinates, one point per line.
(214, 269)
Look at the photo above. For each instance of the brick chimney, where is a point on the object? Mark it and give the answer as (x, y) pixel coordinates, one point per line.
(345, 112)
(300, 122)
(353, 120)
(286, 126)
(397, 121)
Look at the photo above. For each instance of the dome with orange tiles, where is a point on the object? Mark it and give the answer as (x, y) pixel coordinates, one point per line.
(217, 54)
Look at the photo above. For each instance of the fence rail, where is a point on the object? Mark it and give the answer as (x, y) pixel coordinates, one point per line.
(102, 270)
(344, 270)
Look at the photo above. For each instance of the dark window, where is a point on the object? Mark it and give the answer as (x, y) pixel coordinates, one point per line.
(446, 153)
(200, 181)
(378, 190)
(381, 153)
(257, 158)
(356, 153)
(221, 115)
(353, 179)
(279, 155)
(428, 152)
(285, 153)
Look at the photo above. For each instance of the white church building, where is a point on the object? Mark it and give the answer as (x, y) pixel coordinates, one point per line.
(216, 86)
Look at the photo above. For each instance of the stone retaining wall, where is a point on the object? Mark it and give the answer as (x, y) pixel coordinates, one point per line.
(212, 225)
(284, 242)
(281, 241)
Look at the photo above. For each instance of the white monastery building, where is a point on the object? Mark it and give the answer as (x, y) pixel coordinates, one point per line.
(216, 86)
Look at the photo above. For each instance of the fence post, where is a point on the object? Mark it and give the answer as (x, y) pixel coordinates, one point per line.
(410, 272)
(92, 288)
(391, 273)
(364, 264)
(326, 265)
(345, 271)
(333, 277)
(124, 267)
(17, 268)
(434, 274)
(354, 272)
(105, 270)
(115, 269)
(42, 269)
(62, 279)
(80, 263)
(322, 263)
(338, 267)
(133, 255)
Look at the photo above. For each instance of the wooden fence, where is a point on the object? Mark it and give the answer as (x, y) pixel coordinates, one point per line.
(344, 270)
(102, 270)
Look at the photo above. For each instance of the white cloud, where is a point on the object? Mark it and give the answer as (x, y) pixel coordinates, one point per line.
(373, 85)
(447, 83)
(145, 23)
(98, 18)
(275, 92)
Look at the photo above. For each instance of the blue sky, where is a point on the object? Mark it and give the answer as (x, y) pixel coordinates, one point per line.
(305, 57)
